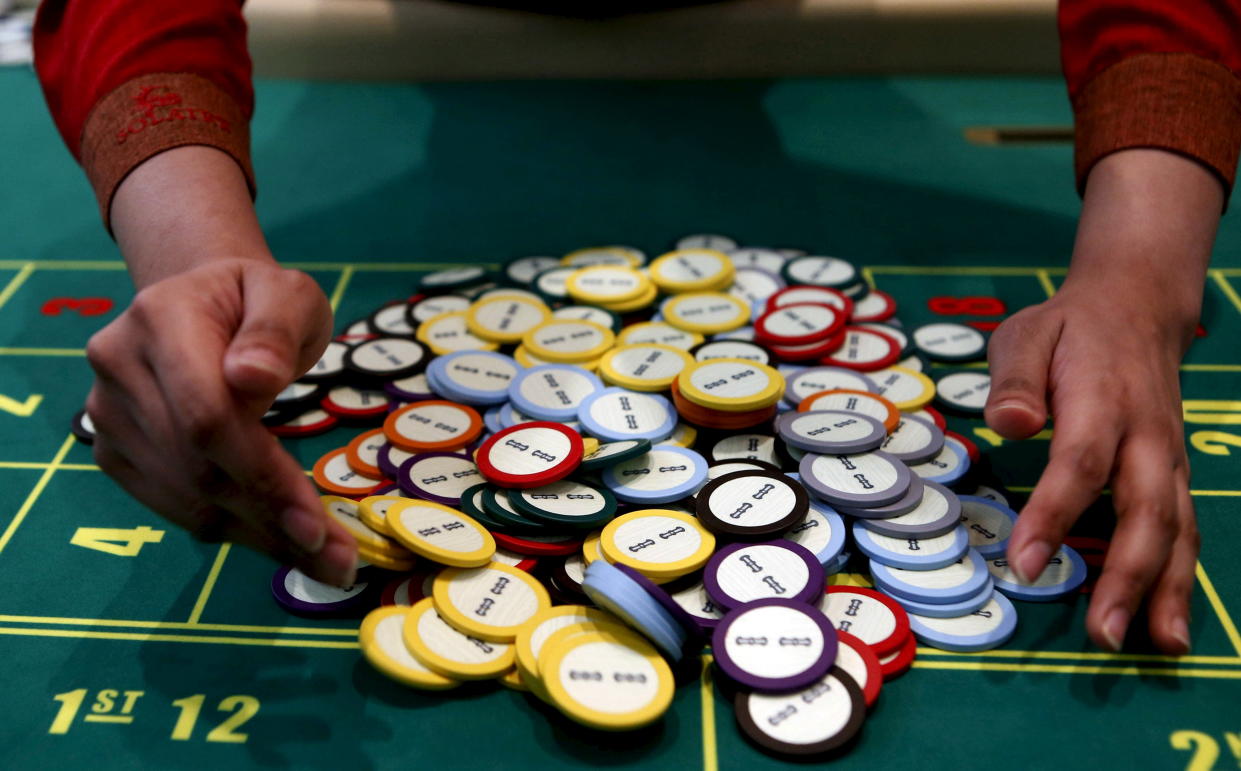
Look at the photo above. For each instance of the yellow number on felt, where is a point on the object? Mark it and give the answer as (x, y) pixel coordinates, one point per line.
(70, 703)
(1234, 744)
(21, 409)
(1206, 749)
(1214, 442)
(1218, 411)
(246, 707)
(190, 706)
(115, 540)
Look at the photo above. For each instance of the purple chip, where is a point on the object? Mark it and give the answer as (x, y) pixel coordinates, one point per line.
(834, 432)
(774, 646)
(440, 477)
(855, 481)
(389, 459)
(914, 440)
(908, 503)
(298, 593)
(410, 389)
(744, 572)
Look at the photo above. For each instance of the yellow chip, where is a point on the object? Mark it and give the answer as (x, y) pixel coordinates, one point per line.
(440, 534)
(607, 284)
(535, 632)
(512, 680)
(373, 510)
(602, 255)
(707, 312)
(644, 366)
(386, 561)
(908, 389)
(633, 688)
(383, 644)
(590, 547)
(490, 602)
(658, 543)
(568, 341)
(684, 435)
(692, 270)
(449, 332)
(346, 513)
(505, 318)
(637, 303)
(524, 358)
(445, 651)
(658, 332)
(590, 446)
(731, 385)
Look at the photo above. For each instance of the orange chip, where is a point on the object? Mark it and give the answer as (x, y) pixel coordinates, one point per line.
(333, 475)
(433, 425)
(362, 451)
(884, 410)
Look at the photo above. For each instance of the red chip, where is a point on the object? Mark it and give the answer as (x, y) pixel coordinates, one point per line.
(864, 350)
(874, 672)
(539, 545)
(809, 352)
(798, 324)
(938, 418)
(349, 403)
(970, 448)
(310, 423)
(530, 455)
(849, 614)
(897, 664)
(886, 308)
(801, 293)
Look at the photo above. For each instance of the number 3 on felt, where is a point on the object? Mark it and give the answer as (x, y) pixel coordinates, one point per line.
(114, 540)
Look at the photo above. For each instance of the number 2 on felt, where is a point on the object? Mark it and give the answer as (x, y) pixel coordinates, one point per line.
(113, 540)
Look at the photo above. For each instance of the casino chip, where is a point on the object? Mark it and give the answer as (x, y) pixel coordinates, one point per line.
(491, 602)
(443, 649)
(937, 510)
(83, 427)
(387, 358)
(876, 306)
(302, 595)
(477, 378)
(907, 389)
(565, 504)
(692, 270)
(611, 453)
(383, 644)
(331, 363)
(834, 432)
(535, 632)
(947, 467)
(433, 425)
(751, 505)
(333, 475)
(774, 645)
(871, 616)
(744, 572)
(600, 316)
(505, 318)
(732, 349)
(427, 308)
(706, 312)
(615, 414)
(822, 533)
(767, 260)
(989, 524)
(799, 324)
(707, 241)
(619, 592)
(660, 544)
(860, 662)
(816, 380)
(865, 350)
(530, 454)
(450, 332)
(914, 440)
(945, 341)
(438, 476)
(730, 385)
(816, 720)
(865, 479)
(665, 474)
(440, 534)
(989, 627)
(643, 366)
(566, 341)
(625, 256)
(523, 269)
(1065, 572)
(953, 583)
(912, 553)
(452, 278)
(658, 332)
(819, 271)
(964, 392)
(552, 391)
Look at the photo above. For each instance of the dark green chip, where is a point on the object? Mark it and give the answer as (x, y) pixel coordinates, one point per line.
(611, 453)
(566, 504)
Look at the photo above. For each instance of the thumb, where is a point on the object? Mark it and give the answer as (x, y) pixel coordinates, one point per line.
(1019, 354)
(285, 325)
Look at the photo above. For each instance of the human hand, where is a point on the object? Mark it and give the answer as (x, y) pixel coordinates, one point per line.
(182, 378)
(1103, 357)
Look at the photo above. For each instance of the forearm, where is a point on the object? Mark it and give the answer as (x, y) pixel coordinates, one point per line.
(182, 208)
(1148, 223)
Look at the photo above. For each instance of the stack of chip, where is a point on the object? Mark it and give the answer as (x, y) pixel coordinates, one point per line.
(620, 441)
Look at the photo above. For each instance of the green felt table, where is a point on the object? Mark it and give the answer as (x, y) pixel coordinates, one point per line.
(177, 657)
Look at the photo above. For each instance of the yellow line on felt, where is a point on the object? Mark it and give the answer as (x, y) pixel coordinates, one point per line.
(869, 275)
(710, 757)
(345, 274)
(197, 627)
(955, 270)
(1077, 669)
(1227, 289)
(1198, 493)
(36, 492)
(16, 282)
(1211, 367)
(1217, 604)
(1084, 656)
(182, 638)
(383, 266)
(42, 351)
(205, 593)
(1044, 278)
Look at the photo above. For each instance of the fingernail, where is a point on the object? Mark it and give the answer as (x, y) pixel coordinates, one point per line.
(1114, 628)
(306, 528)
(342, 560)
(260, 359)
(1032, 560)
(1179, 630)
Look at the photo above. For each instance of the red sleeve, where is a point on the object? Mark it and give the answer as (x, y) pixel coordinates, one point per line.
(127, 79)
(1154, 73)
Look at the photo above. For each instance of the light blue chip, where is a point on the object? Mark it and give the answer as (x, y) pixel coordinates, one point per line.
(912, 553)
(476, 378)
(665, 474)
(1065, 572)
(989, 523)
(552, 391)
(944, 469)
(615, 414)
(822, 532)
(620, 595)
(491, 419)
(956, 582)
(949, 610)
(989, 627)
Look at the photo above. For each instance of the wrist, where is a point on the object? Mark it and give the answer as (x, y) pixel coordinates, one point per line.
(184, 208)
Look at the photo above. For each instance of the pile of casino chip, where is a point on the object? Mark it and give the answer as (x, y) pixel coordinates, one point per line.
(577, 473)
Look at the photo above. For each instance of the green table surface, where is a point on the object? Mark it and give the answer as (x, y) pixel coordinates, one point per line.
(177, 657)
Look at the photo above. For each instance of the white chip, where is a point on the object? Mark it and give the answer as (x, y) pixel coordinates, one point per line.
(769, 260)
(630, 412)
(658, 332)
(446, 642)
(863, 346)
